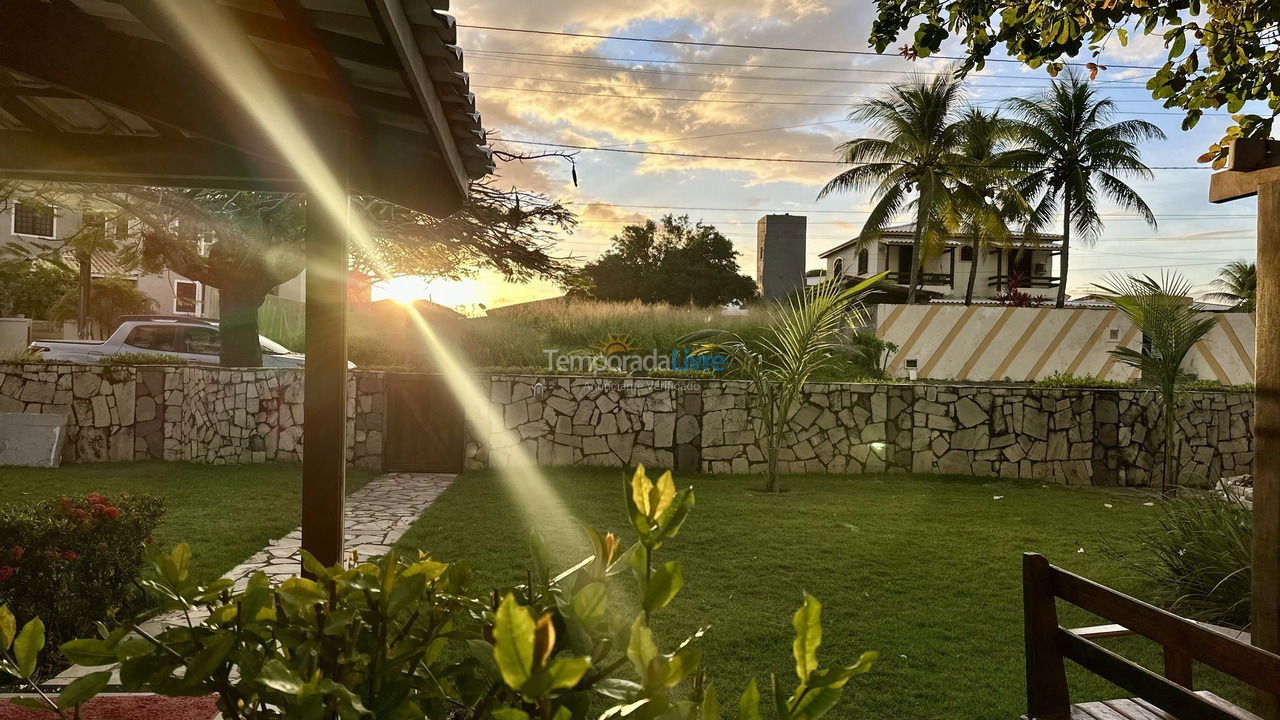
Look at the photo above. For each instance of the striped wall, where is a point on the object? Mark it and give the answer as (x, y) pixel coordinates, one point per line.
(1025, 344)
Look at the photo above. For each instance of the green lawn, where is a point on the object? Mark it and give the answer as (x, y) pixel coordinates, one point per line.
(925, 570)
(225, 512)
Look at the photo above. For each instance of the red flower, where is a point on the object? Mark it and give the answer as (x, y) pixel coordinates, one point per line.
(94, 498)
(16, 553)
(6, 572)
(69, 555)
(110, 513)
(149, 540)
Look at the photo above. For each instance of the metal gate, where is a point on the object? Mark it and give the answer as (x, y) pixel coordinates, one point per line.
(424, 425)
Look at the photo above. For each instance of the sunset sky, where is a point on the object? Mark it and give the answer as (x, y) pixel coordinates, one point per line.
(571, 90)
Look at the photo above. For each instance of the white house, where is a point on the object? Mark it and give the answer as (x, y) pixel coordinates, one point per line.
(1025, 261)
(41, 228)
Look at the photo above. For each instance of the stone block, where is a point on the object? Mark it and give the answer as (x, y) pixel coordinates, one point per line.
(34, 440)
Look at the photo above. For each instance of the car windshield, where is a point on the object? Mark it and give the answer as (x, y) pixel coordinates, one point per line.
(271, 347)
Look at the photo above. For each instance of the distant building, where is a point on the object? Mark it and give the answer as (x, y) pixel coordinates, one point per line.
(780, 251)
(1025, 261)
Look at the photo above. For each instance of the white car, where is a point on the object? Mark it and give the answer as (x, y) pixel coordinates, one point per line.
(192, 339)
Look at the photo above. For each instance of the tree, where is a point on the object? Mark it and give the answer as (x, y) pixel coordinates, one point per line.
(1237, 284)
(1221, 54)
(916, 152)
(1077, 157)
(806, 337)
(246, 243)
(31, 288)
(1171, 327)
(673, 261)
(109, 299)
(988, 195)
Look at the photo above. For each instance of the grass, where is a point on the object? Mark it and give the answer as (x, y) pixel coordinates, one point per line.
(925, 569)
(226, 512)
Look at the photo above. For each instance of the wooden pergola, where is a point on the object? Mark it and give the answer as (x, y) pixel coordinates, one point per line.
(1253, 168)
(123, 92)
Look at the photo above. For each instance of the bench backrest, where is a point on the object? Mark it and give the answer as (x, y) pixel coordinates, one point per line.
(1048, 644)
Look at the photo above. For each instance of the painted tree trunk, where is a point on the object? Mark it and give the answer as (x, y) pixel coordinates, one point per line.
(83, 323)
(1065, 257)
(973, 270)
(239, 327)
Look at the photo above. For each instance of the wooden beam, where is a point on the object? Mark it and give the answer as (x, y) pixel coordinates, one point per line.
(325, 382)
(1266, 433)
(1251, 163)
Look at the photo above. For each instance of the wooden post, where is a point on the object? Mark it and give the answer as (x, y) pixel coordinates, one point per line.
(1047, 693)
(1254, 169)
(325, 400)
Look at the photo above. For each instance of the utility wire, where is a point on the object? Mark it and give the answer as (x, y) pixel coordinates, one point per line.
(746, 46)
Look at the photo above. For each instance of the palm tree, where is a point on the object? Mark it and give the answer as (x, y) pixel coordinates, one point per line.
(1171, 327)
(806, 336)
(915, 153)
(986, 187)
(1237, 284)
(1078, 159)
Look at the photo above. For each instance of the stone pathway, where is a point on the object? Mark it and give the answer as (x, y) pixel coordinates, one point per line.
(378, 514)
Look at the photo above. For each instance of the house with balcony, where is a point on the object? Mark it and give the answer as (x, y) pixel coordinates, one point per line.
(1022, 261)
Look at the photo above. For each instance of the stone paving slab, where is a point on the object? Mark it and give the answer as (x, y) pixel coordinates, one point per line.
(377, 515)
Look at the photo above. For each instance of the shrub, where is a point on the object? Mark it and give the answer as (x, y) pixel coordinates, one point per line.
(397, 638)
(1063, 380)
(142, 359)
(1198, 557)
(74, 561)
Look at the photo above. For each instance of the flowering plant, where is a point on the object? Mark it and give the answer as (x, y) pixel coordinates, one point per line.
(74, 561)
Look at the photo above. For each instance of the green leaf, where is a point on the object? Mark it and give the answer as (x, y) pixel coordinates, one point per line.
(8, 628)
(808, 624)
(749, 705)
(301, 593)
(30, 703)
(682, 664)
(207, 660)
(1179, 45)
(513, 642)
(837, 677)
(83, 688)
(590, 603)
(560, 674)
(27, 647)
(277, 676)
(815, 703)
(666, 582)
(89, 652)
(1124, 37)
(709, 709)
(509, 714)
(175, 565)
(641, 648)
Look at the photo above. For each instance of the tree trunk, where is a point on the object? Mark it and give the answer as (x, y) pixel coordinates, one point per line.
(238, 327)
(1065, 258)
(82, 307)
(1168, 481)
(916, 242)
(973, 270)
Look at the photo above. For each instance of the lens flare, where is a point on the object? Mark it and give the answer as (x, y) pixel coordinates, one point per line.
(239, 69)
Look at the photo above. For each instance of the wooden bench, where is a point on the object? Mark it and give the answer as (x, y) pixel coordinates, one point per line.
(1171, 697)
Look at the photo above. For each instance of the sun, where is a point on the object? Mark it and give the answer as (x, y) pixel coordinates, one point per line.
(449, 293)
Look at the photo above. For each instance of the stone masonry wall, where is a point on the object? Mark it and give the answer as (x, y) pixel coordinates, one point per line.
(1077, 436)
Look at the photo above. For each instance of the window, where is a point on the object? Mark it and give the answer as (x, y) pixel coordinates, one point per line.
(204, 341)
(838, 268)
(186, 297)
(1040, 269)
(154, 337)
(966, 253)
(31, 218)
(863, 262)
(1114, 335)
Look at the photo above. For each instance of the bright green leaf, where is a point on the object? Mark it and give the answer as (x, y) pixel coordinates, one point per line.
(8, 628)
(27, 647)
(513, 642)
(749, 705)
(207, 660)
(808, 624)
(641, 649)
(509, 714)
(590, 603)
(709, 709)
(89, 652)
(666, 581)
(277, 676)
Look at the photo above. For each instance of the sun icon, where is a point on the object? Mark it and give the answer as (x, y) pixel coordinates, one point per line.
(613, 344)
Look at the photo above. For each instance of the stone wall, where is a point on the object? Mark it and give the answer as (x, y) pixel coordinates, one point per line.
(207, 415)
(1078, 436)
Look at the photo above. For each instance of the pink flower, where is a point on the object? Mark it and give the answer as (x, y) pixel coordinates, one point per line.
(6, 572)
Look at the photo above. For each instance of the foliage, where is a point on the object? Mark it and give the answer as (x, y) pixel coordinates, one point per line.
(141, 359)
(806, 337)
(1012, 295)
(30, 289)
(1063, 380)
(1237, 284)
(1221, 54)
(1076, 159)
(109, 299)
(1198, 557)
(670, 261)
(21, 356)
(74, 560)
(1171, 327)
(409, 639)
(873, 352)
(916, 150)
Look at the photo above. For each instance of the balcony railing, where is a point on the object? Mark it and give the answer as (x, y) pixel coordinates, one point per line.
(902, 278)
(1025, 281)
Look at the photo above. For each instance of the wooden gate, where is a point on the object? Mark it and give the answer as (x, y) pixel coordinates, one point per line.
(424, 425)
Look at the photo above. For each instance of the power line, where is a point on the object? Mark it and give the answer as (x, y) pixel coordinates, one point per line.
(750, 158)
(746, 46)
(860, 212)
(664, 61)
(752, 102)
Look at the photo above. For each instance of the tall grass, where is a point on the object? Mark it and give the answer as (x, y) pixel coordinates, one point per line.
(1197, 557)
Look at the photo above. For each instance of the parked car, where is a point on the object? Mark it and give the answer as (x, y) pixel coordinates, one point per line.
(192, 339)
